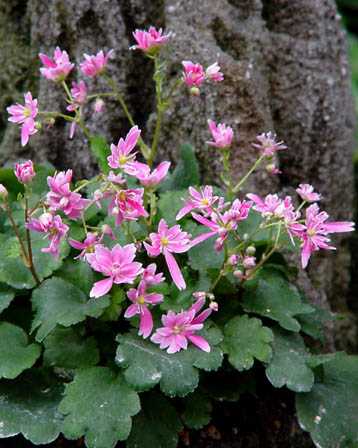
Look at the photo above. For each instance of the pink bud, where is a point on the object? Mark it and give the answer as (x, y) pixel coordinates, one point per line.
(238, 274)
(98, 106)
(3, 192)
(24, 172)
(214, 306)
(233, 260)
(249, 262)
(199, 295)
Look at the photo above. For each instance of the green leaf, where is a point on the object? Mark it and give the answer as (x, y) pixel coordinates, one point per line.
(57, 302)
(197, 411)
(29, 406)
(147, 365)
(98, 404)
(330, 411)
(251, 227)
(6, 296)
(12, 269)
(212, 258)
(64, 347)
(16, 354)
(101, 151)
(113, 311)
(313, 323)
(78, 273)
(289, 363)
(246, 339)
(157, 425)
(272, 296)
(186, 172)
(169, 204)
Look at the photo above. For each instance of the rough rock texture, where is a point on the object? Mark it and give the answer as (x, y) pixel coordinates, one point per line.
(286, 70)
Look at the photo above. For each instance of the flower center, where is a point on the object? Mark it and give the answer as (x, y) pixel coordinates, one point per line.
(26, 112)
(164, 241)
(311, 232)
(123, 160)
(204, 202)
(122, 196)
(141, 300)
(177, 329)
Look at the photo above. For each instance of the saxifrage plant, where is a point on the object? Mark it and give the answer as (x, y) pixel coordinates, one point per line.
(121, 294)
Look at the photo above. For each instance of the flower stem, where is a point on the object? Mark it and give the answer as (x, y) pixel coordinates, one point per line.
(29, 246)
(244, 179)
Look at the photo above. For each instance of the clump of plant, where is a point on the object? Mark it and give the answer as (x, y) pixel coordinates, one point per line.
(121, 294)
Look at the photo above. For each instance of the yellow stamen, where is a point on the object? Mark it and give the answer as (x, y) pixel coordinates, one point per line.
(141, 300)
(164, 241)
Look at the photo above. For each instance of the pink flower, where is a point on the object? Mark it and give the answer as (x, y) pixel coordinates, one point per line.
(150, 41)
(25, 115)
(116, 264)
(222, 135)
(213, 73)
(53, 227)
(25, 172)
(268, 145)
(181, 327)
(58, 68)
(202, 200)
(79, 95)
(239, 210)
(314, 232)
(121, 155)
(127, 205)
(168, 241)
(116, 178)
(148, 179)
(87, 246)
(150, 277)
(193, 74)
(95, 64)
(141, 299)
(267, 206)
(307, 193)
(61, 198)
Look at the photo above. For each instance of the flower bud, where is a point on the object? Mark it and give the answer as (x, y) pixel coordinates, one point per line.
(251, 250)
(214, 306)
(271, 168)
(245, 236)
(98, 106)
(249, 262)
(199, 295)
(238, 274)
(3, 192)
(106, 230)
(210, 296)
(25, 172)
(194, 91)
(233, 259)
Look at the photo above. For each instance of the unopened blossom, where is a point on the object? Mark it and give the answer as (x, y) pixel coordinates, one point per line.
(150, 277)
(116, 264)
(202, 199)
(168, 241)
(268, 144)
(314, 233)
(25, 115)
(79, 95)
(193, 74)
(249, 262)
(213, 73)
(127, 205)
(272, 169)
(98, 106)
(121, 154)
(25, 172)
(179, 328)
(53, 227)
(307, 193)
(116, 178)
(60, 196)
(87, 246)
(150, 41)
(222, 135)
(140, 299)
(233, 260)
(3, 192)
(146, 177)
(94, 65)
(57, 68)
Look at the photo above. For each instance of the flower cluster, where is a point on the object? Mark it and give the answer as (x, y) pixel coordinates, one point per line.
(126, 194)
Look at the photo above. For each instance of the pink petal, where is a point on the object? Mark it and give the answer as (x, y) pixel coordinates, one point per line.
(200, 342)
(146, 323)
(174, 270)
(101, 288)
(131, 311)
